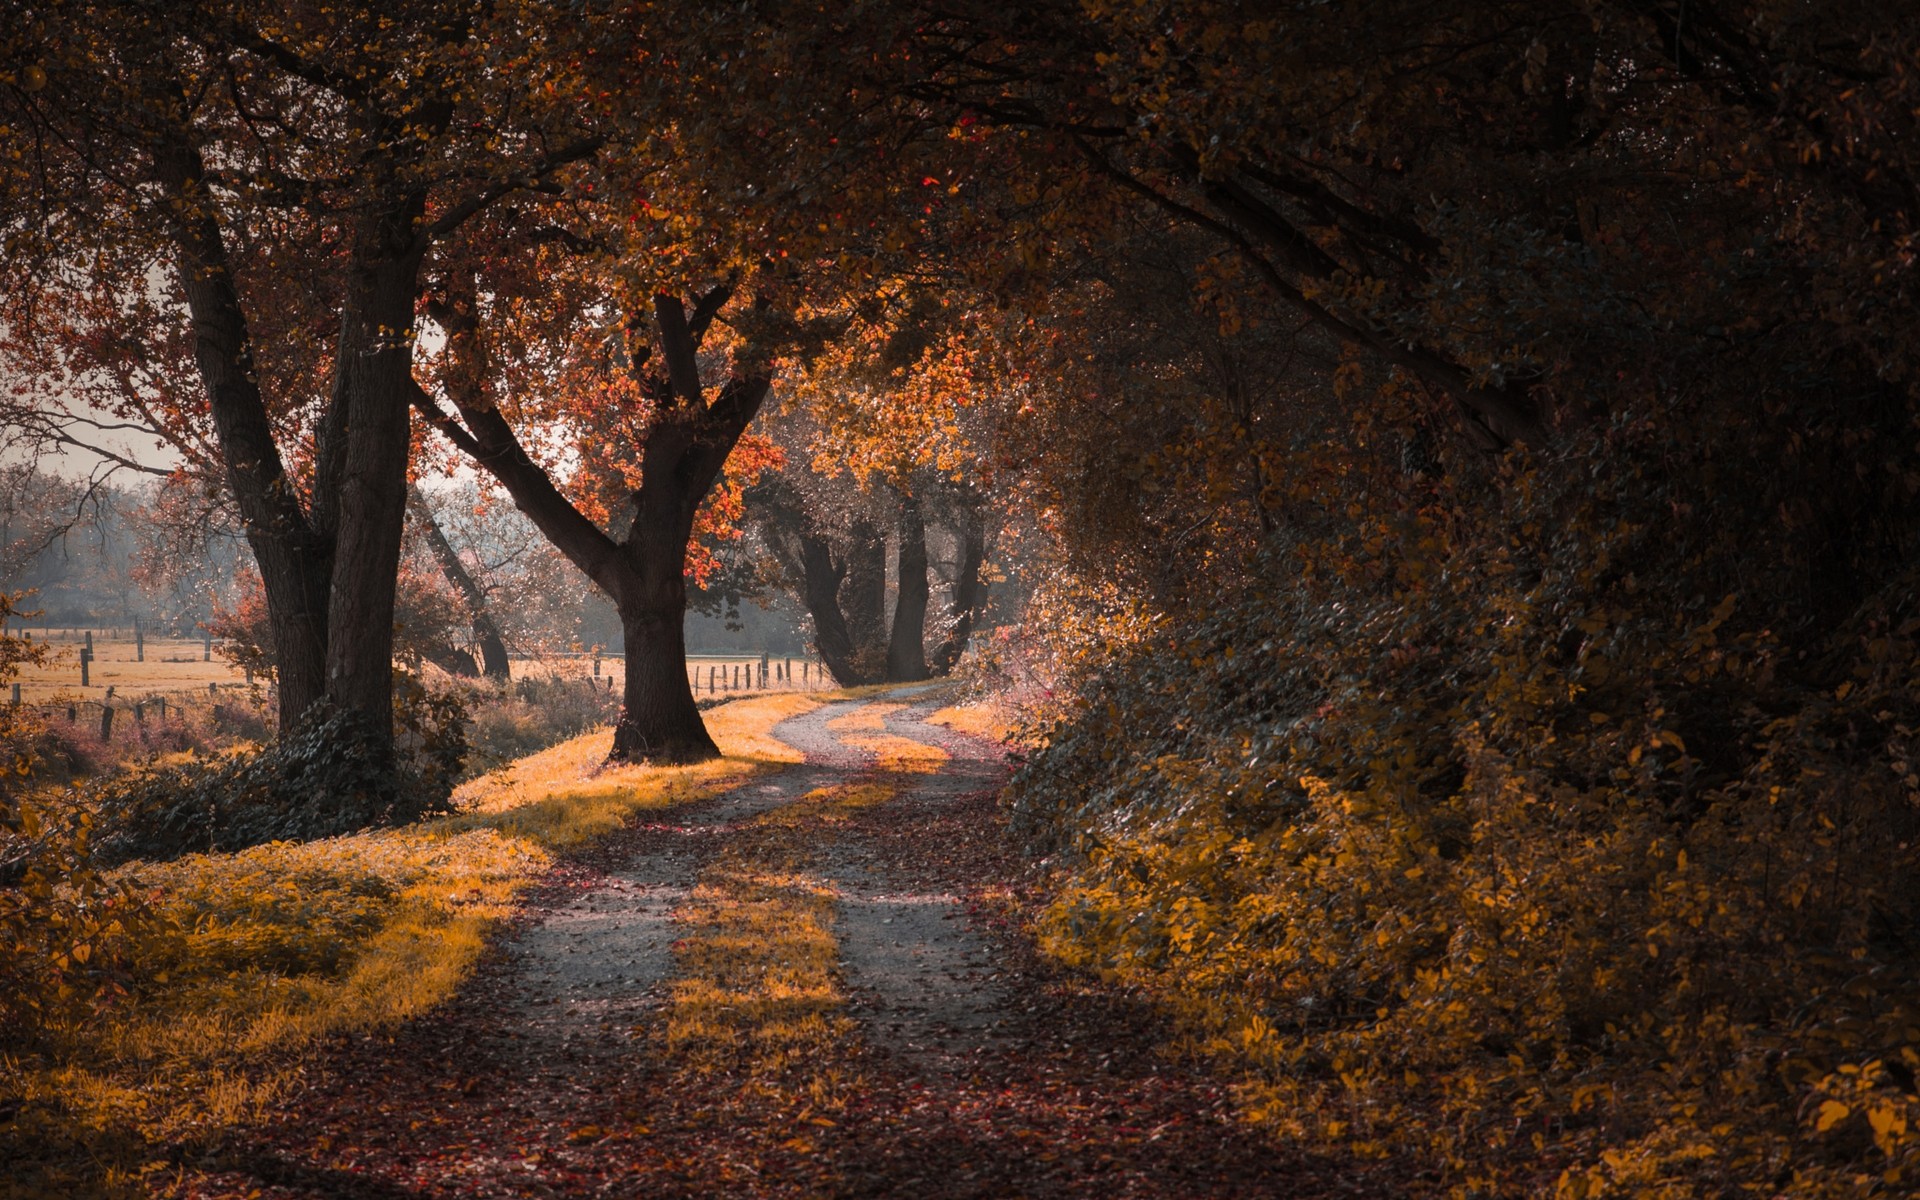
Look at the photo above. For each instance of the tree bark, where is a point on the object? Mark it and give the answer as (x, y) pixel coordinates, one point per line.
(906, 646)
(295, 559)
(659, 721)
(486, 634)
(864, 598)
(821, 591)
(373, 388)
(969, 591)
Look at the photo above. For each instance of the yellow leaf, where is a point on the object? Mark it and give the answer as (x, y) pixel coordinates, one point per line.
(1887, 1120)
(1831, 1113)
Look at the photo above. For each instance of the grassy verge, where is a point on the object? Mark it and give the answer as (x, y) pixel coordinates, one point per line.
(274, 948)
(758, 999)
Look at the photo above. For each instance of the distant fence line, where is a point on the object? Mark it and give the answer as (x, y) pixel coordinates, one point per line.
(158, 706)
(734, 675)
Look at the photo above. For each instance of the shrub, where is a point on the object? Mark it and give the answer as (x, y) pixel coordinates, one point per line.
(530, 714)
(1472, 836)
(324, 780)
(68, 933)
(66, 930)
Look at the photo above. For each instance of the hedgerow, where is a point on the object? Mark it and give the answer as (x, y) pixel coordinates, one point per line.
(1556, 845)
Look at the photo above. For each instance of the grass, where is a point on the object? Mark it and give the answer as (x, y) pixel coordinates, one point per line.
(279, 946)
(173, 665)
(757, 997)
(989, 719)
(895, 755)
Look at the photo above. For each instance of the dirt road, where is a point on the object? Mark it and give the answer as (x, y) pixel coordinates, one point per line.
(810, 986)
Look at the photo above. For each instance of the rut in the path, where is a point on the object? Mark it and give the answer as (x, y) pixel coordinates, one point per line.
(921, 980)
(971, 1069)
(593, 967)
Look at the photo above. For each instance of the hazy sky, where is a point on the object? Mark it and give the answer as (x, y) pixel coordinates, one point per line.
(76, 460)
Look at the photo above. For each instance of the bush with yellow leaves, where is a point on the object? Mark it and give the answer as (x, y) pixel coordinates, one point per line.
(67, 931)
(1531, 838)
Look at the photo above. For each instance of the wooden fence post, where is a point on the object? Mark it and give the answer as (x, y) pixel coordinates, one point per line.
(139, 640)
(106, 722)
(86, 660)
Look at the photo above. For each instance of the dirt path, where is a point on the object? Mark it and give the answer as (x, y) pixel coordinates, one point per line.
(642, 1033)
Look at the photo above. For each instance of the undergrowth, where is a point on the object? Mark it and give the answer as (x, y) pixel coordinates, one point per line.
(1466, 841)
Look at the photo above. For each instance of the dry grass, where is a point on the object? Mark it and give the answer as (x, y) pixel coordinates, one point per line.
(989, 719)
(172, 665)
(283, 944)
(897, 754)
(757, 998)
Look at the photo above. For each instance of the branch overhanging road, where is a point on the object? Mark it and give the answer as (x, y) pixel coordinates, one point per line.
(652, 1027)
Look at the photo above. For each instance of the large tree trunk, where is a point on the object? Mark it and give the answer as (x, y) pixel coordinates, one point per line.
(373, 391)
(969, 591)
(906, 647)
(295, 558)
(831, 637)
(659, 721)
(486, 634)
(864, 599)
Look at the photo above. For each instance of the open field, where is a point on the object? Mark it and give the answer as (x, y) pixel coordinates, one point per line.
(178, 665)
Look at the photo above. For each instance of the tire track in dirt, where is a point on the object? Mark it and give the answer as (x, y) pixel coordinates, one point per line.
(595, 964)
(919, 978)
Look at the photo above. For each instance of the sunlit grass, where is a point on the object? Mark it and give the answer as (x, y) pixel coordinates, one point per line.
(757, 996)
(867, 729)
(757, 993)
(989, 719)
(281, 945)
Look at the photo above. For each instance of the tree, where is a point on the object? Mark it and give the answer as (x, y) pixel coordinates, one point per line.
(231, 208)
(473, 600)
(886, 436)
(665, 438)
